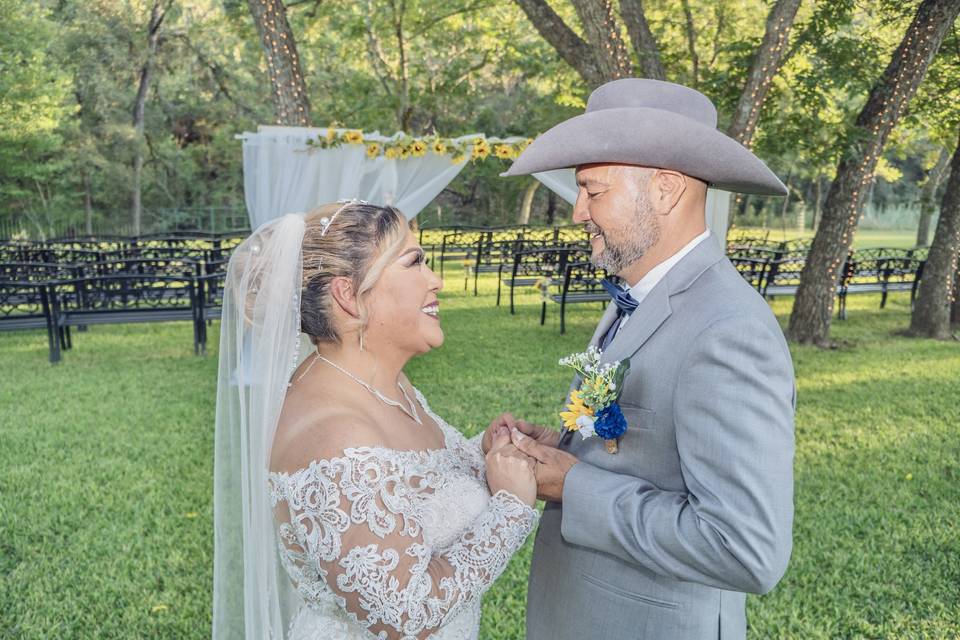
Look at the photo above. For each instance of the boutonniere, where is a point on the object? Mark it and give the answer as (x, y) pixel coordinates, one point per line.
(593, 408)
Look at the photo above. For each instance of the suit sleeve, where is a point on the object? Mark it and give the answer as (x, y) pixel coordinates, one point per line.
(732, 527)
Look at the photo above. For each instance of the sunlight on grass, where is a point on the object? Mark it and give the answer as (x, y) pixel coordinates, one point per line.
(106, 461)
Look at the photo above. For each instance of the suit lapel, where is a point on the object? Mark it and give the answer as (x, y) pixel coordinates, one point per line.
(643, 323)
(609, 315)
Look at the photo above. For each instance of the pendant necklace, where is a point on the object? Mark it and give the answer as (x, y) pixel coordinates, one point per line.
(412, 411)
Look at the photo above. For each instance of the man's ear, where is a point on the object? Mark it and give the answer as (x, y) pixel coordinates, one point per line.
(344, 296)
(667, 187)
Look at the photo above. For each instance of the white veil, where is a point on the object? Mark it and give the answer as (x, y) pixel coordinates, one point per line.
(259, 348)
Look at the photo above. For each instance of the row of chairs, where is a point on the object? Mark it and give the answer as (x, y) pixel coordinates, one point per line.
(879, 270)
(565, 276)
(59, 296)
(57, 306)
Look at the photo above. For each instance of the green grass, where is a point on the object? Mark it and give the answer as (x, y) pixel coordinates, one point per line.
(106, 462)
(864, 238)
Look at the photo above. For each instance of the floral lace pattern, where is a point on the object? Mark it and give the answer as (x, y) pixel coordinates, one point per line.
(395, 543)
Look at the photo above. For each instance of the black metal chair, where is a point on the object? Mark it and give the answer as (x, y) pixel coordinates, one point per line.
(581, 283)
(531, 266)
(26, 305)
(122, 299)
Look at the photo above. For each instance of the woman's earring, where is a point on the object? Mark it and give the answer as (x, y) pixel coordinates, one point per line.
(361, 338)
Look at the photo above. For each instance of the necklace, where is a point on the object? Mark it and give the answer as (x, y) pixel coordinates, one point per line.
(412, 411)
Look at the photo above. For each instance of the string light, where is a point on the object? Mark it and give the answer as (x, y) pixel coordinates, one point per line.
(273, 36)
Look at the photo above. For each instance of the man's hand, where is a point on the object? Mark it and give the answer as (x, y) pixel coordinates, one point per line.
(505, 422)
(552, 465)
(543, 435)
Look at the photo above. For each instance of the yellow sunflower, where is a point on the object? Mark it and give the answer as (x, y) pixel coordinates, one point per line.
(353, 137)
(503, 151)
(575, 409)
(392, 153)
(439, 147)
(418, 148)
(480, 151)
(373, 150)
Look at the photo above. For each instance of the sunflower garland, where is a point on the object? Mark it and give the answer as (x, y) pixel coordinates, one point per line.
(403, 147)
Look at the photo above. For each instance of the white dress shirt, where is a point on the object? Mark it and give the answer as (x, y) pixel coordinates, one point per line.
(640, 290)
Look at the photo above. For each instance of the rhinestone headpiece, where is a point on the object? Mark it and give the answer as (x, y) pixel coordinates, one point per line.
(326, 222)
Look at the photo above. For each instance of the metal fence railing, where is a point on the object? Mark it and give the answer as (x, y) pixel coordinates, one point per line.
(118, 223)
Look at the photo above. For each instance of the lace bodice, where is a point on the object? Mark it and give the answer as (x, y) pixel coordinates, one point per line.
(397, 544)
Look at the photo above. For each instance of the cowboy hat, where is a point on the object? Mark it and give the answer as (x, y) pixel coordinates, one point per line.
(650, 123)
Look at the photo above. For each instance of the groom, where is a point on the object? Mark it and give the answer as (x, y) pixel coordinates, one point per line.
(662, 539)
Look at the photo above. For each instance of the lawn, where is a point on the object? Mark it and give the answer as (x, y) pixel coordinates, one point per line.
(864, 238)
(106, 461)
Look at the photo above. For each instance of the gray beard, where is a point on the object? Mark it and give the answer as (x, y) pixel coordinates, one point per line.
(643, 234)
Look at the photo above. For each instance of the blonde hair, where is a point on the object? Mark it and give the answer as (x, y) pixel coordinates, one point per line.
(359, 243)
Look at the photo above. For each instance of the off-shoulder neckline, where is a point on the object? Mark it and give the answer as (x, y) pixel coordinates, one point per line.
(425, 453)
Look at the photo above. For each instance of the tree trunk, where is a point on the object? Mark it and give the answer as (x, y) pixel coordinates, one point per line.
(602, 32)
(818, 202)
(527, 203)
(157, 14)
(571, 47)
(644, 44)
(931, 313)
(955, 309)
(290, 102)
(551, 208)
(813, 305)
(691, 32)
(766, 63)
(928, 197)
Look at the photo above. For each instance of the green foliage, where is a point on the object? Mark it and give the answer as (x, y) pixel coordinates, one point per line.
(106, 464)
(70, 71)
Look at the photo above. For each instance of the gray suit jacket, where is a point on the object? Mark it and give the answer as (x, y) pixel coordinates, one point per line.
(661, 540)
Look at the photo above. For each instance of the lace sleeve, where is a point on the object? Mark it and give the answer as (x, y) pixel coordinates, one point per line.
(352, 533)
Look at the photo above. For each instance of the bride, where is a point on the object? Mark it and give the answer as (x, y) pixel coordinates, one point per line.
(343, 506)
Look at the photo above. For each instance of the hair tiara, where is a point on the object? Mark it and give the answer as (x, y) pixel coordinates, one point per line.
(326, 222)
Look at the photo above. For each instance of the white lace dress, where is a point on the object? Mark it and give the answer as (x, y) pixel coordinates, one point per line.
(384, 543)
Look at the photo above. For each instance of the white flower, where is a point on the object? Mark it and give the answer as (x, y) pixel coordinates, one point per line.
(586, 426)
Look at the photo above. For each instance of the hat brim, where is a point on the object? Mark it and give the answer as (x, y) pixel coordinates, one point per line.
(650, 138)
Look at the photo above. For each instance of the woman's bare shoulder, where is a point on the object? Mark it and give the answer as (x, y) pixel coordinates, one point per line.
(319, 433)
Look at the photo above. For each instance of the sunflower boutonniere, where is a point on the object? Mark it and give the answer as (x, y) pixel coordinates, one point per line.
(593, 408)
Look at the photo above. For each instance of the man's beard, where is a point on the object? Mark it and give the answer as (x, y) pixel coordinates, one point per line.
(642, 233)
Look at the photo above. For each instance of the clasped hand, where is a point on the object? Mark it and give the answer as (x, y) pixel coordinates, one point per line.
(523, 458)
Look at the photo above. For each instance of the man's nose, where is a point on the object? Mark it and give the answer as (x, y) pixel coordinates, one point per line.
(580, 213)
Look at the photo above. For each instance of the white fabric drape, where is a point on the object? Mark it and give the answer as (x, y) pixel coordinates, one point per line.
(564, 184)
(282, 174)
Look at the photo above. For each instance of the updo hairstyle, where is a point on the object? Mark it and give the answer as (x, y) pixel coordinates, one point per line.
(361, 241)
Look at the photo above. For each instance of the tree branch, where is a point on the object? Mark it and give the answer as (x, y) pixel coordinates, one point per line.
(573, 49)
(692, 43)
(644, 43)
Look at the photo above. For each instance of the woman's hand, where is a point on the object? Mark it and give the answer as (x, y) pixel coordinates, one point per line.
(501, 425)
(506, 421)
(510, 470)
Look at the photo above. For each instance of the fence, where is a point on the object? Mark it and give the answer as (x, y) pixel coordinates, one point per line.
(117, 223)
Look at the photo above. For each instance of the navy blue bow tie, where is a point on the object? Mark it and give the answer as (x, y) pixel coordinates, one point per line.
(624, 301)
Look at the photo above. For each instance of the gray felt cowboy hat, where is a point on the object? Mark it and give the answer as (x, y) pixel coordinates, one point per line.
(652, 124)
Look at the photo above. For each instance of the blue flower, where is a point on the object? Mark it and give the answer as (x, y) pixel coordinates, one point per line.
(610, 422)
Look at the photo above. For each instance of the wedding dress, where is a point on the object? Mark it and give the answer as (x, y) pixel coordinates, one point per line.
(387, 543)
